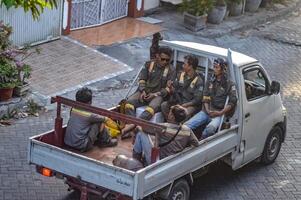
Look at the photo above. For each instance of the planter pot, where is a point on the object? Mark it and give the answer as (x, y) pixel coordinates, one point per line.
(227, 14)
(252, 5)
(194, 23)
(6, 94)
(264, 3)
(21, 90)
(235, 9)
(217, 14)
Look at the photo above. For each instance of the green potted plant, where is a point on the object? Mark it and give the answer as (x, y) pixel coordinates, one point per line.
(8, 78)
(195, 13)
(15, 57)
(235, 7)
(217, 12)
(8, 70)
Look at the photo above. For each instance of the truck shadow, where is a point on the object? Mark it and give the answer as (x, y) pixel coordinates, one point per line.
(221, 182)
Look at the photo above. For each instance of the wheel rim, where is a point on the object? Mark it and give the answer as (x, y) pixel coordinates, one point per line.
(179, 195)
(273, 146)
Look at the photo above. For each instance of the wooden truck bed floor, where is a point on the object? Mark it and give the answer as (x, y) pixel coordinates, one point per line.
(107, 154)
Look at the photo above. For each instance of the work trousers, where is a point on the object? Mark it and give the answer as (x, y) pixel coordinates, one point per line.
(154, 104)
(203, 118)
(95, 135)
(166, 105)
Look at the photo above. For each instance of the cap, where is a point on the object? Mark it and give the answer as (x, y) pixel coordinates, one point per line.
(222, 62)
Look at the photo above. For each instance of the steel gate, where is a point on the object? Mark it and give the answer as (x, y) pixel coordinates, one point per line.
(88, 13)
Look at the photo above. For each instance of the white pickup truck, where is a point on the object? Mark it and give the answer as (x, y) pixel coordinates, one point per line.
(257, 130)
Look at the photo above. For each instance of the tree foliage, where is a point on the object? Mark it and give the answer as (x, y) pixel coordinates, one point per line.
(35, 6)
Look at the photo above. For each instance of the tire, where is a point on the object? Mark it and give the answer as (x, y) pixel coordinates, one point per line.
(272, 146)
(180, 190)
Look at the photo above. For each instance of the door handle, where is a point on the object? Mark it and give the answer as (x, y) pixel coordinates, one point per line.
(247, 115)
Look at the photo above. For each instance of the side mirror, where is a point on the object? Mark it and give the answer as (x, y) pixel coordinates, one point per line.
(275, 87)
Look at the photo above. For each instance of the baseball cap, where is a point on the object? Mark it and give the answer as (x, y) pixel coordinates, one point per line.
(222, 62)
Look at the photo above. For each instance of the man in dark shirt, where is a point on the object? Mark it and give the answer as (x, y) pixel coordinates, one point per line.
(184, 137)
(217, 89)
(153, 87)
(85, 128)
(187, 89)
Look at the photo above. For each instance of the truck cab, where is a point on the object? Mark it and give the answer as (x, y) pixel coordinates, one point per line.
(260, 114)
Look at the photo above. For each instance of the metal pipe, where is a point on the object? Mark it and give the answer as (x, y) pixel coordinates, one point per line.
(146, 125)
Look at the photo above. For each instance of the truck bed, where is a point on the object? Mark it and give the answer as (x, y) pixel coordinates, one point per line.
(96, 166)
(107, 154)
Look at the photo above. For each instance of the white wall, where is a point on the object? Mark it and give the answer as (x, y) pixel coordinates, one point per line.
(174, 2)
(149, 4)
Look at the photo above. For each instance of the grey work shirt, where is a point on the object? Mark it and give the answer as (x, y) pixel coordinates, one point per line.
(154, 79)
(184, 139)
(188, 90)
(78, 127)
(216, 93)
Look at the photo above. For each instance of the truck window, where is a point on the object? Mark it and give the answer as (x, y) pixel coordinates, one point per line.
(255, 83)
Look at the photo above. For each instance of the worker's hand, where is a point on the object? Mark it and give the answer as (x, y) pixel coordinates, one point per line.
(215, 113)
(150, 96)
(170, 86)
(185, 105)
(142, 96)
(169, 83)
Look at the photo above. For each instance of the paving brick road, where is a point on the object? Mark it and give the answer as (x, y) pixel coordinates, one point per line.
(281, 180)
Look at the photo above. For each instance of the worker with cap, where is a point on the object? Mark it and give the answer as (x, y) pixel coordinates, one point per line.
(216, 91)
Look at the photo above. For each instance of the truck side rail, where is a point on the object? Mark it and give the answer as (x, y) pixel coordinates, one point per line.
(165, 171)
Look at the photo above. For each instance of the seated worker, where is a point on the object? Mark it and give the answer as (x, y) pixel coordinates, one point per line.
(85, 128)
(153, 88)
(214, 98)
(187, 89)
(180, 137)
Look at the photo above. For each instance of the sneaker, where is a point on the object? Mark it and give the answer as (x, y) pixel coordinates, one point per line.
(112, 142)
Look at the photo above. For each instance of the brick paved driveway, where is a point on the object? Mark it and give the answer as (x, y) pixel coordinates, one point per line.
(281, 180)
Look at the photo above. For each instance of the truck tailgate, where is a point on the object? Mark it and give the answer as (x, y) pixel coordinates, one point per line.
(82, 167)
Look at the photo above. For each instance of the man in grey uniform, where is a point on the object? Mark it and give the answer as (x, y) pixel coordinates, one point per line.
(187, 89)
(85, 128)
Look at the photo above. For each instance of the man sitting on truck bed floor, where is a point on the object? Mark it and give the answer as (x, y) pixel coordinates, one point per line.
(216, 91)
(176, 138)
(85, 128)
(153, 87)
(187, 89)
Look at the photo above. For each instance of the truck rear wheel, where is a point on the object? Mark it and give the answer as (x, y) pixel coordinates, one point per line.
(180, 190)
(272, 146)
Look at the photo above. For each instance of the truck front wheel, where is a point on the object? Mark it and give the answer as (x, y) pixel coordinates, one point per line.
(180, 190)
(272, 146)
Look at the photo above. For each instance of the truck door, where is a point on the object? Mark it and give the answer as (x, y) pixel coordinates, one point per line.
(257, 111)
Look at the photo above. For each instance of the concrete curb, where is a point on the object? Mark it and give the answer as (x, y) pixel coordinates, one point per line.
(247, 22)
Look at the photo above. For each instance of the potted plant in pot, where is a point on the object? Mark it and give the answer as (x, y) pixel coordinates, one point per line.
(235, 7)
(8, 70)
(195, 13)
(15, 57)
(218, 12)
(8, 78)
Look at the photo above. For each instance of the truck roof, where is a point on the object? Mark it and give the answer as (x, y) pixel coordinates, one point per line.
(238, 59)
